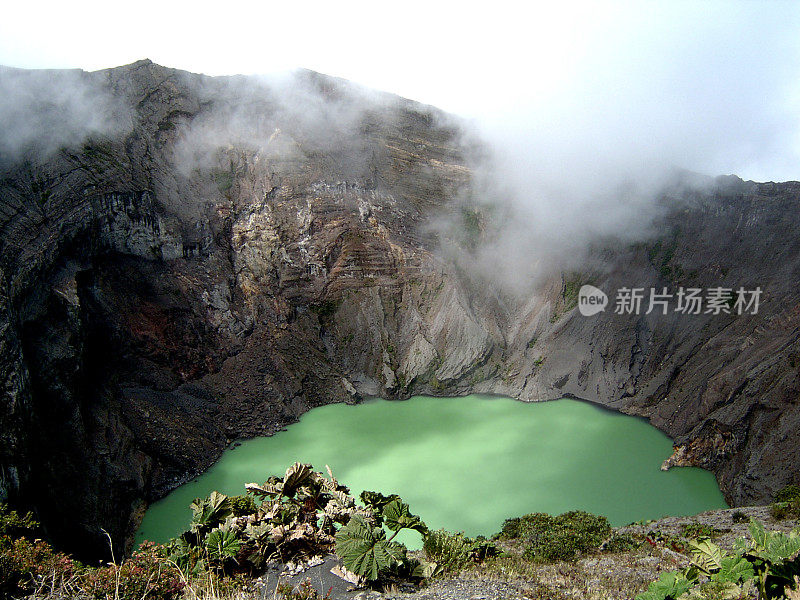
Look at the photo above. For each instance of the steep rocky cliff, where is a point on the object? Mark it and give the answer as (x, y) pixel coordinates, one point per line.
(166, 290)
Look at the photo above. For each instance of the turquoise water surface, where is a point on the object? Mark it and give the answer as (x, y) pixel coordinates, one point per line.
(466, 464)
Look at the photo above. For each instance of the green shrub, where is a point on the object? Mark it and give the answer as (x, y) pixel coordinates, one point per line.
(146, 575)
(573, 282)
(785, 510)
(483, 549)
(224, 180)
(26, 566)
(621, 542)
(13, 525)
(520, 527)
(471, 224)
(790, 493)
(787, 503)
(450, 551)
(739, 517)
(566, 536)
(699, 530)
(9, 577)
(673, 542)
(325, 309)
(242, 505)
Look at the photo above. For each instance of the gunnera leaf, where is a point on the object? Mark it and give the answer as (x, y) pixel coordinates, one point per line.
(209, 512)
(222, 544)
(734, 569)
(670, 585)
(364, 550)
(706, 555)
(396, 516)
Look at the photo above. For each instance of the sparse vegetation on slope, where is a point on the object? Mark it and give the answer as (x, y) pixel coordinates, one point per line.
(787, 503)
(767, 564)
(303, 517)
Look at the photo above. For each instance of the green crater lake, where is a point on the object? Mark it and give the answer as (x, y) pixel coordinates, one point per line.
(466, 464)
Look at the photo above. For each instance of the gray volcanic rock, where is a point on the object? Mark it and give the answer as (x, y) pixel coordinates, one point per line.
(239, 251)
(725, 387)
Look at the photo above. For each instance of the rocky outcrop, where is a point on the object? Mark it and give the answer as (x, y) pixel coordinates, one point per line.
(166, 291)
(157, 306)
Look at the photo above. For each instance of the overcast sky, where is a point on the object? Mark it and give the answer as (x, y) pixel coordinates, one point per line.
(710, 86)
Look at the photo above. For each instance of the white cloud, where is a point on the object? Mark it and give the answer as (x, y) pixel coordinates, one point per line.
(649, 64)
(587, 104)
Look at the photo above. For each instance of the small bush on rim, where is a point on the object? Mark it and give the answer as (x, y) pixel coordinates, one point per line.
(521, 527)
(450, 551)
(145, 575)
(567, 536)
(699, 530)
(242, 505)
(787, 503)
(26, 566)
(789, 493)
(621, 542)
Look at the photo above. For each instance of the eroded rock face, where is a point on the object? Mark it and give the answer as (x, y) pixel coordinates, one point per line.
(165, 293)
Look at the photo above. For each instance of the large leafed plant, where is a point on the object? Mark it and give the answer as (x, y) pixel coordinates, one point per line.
(363, 544)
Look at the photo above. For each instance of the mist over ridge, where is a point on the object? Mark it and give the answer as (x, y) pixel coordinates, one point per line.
(583, 117)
